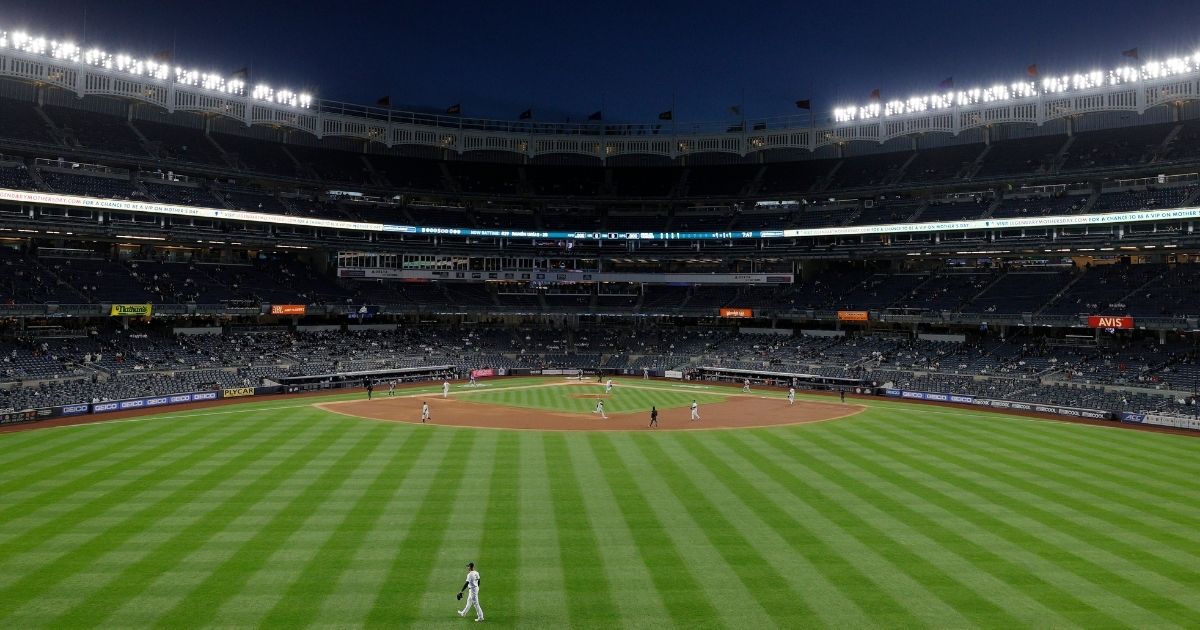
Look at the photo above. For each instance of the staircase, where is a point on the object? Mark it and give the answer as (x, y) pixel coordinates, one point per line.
(821, 184)
(921, 208)
(1165, 146)
(1060, 293)
(1061, 156)
(756, 183)
(376, 178)
(58, 134)
(971, 169)
(680, 189)
(230, 160)
(900, 172)
(303, 169)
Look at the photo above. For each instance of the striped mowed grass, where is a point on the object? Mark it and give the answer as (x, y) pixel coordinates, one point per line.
(280, 514)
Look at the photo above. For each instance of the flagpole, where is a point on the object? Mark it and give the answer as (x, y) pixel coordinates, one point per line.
(673, 116)
(743, 109)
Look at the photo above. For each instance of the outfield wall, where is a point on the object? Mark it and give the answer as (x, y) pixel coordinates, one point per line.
(1005, 405)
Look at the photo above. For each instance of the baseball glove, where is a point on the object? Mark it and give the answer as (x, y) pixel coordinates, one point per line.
(459, 596)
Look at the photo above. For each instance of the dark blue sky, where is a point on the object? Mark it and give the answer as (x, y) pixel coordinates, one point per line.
(570, 58)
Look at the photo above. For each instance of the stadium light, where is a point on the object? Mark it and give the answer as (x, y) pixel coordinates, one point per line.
(148, 68)
(1020, 90)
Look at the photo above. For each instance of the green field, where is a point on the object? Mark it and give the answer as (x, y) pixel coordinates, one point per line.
(280, 514)
(627, 397)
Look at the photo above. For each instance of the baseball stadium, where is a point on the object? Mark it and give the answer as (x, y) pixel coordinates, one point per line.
(269, 359)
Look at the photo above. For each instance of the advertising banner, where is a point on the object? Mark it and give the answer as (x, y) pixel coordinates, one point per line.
(483, 373)
(1109, 321)
(237, 392)
(852, 316)
(737, 312)
(131, 310)
(288, 309)
(152, 401)
(17, 417)
(1162, 420)
(1076, 412)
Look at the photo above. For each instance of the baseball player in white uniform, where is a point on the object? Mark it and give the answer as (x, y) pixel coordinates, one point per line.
(600, 409)
(392, 388)
(445, 389)
(695, 410)
(424, 412)
(472, 588)
(608, 386)
(746, 386)
(791, 395)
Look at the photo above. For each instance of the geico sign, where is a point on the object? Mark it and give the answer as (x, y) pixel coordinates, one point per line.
(1109, 321)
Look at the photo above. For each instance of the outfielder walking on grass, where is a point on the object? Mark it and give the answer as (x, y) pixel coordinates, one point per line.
(472, 583)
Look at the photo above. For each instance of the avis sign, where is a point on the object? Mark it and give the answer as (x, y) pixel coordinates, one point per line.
(1108, 321)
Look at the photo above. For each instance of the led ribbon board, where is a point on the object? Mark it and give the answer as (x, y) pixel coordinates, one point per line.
(123, 205)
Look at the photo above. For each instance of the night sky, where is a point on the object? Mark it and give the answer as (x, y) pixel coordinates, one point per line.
(567, 59)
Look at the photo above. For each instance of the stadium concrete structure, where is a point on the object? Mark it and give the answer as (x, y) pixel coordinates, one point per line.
(1017, 222)
(268, 360)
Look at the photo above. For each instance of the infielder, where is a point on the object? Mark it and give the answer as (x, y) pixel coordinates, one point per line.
(746, 386)
(695, 411)
(472, 583)
(424, 412)
(791, 395)
(392, 388)
(370, 389)
(600, 409)
(653, 416)
(608, 386)
(445, 389)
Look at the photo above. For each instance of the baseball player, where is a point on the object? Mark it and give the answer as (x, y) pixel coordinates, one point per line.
(600, 409)
(392, 388)
(791, 395)
(370, 389)
(424, 412)
(445, 389)
(746, 386)
(653, 416)
(608, 386)
(695, 411)
(843, 395)
(472, 382)
(472, 583)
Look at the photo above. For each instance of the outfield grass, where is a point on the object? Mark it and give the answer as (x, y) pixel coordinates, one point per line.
(281, 514)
